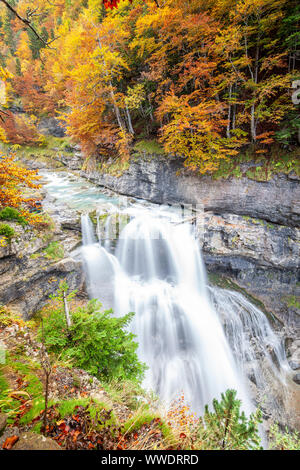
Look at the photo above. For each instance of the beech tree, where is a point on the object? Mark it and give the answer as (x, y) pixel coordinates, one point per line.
(206, 78)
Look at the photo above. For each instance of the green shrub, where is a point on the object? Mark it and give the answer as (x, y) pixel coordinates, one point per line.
(7, 232)
(95, 342)
(149, 147)
(287, 440)
(10, 213)
(54, 251)
(227, 427)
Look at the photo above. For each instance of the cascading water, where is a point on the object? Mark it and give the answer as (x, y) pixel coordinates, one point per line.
(98, 262)
(194, 339)
(162, 279)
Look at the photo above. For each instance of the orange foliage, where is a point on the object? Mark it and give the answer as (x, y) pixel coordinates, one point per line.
(13, 178)
(205, 77)
(34, 98)
(19, 129)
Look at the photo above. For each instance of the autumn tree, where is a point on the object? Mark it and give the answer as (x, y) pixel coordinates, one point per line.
(206, 78)
(13, 180)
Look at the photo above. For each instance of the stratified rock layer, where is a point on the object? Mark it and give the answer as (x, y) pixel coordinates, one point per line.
(28, 276)
(250, 229)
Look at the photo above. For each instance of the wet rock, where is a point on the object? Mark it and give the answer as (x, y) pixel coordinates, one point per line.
(30, 292)
(262, 258)
(296, 379)
(72, 223)
(294, 365)
(73, 161)
(156, 179)
(33, 441)
(28, 276)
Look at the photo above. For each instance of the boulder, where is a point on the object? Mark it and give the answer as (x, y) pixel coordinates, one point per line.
(296, 379)
(3, 421)
(51, 126)
(33, 441)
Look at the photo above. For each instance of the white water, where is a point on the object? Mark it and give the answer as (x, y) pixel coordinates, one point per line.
(162, 279)
(195, 340)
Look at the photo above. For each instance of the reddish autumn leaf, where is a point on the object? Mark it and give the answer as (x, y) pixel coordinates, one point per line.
(76, 434)
(10, 442)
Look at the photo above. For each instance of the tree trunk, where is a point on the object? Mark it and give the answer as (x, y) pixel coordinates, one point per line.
(129, 121)
(229, 114)
(116, 109)
(253, 124)
(67, 312)
(253, 121)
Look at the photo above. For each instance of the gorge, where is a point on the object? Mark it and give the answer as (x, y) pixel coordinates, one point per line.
(148, 276)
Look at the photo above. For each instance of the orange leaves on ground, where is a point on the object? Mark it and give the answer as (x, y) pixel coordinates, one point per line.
(10, 442)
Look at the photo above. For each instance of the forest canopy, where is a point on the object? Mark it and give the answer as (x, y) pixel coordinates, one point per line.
(205, 78)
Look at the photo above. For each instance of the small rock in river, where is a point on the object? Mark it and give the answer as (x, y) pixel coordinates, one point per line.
(296, 379)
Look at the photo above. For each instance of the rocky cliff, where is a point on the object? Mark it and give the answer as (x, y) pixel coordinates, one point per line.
(250, 228)
(33, 264)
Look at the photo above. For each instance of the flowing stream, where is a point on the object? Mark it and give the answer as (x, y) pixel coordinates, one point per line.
(196, 339)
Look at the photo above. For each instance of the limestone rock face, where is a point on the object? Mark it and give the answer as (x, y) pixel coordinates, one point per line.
(33, 441)
(51, 126)
(260, 257)
(249, 230)
(29, 275)
(156, 179)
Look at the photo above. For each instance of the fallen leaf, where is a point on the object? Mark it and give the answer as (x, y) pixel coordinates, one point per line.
(9, 442)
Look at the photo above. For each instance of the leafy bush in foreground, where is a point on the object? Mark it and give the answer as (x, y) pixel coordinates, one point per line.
(96, 341)
(288, 440)
(227, 427)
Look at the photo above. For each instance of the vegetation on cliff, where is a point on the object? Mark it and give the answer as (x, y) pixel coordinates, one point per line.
(94, 341)
(16, 205)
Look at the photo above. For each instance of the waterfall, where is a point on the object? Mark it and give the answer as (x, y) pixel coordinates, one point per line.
(157, 272)
(87, 229)
(250, 336)
(181, 339)
(194, 337)
(99, 264)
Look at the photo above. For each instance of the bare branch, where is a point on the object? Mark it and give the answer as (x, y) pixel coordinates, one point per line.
(27, 22)
(1, 117)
